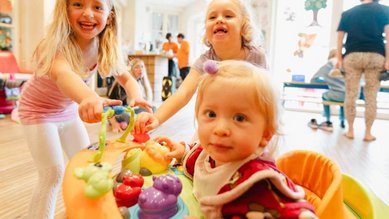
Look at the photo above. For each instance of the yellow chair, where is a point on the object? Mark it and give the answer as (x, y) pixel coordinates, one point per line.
(321, 179)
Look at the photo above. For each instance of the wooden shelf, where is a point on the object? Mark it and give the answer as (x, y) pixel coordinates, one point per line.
(6, 25)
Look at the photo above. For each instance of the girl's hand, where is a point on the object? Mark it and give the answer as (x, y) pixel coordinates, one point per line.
(145, 122)
(141, 103)
(177, 150)
(91, 108)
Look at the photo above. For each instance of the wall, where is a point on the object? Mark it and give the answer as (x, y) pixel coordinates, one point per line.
(31, 17)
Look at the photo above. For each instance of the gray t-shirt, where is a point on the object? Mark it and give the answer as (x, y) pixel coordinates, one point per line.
(255, 56)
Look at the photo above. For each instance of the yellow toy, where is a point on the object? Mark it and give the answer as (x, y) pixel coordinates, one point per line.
(153, 157)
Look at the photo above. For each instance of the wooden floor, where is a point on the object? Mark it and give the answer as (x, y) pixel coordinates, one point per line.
(367, 162)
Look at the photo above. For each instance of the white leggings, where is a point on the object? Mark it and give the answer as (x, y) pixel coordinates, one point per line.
(46, 141)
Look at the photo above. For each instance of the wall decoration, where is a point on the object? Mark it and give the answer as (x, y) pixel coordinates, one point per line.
(315, 6)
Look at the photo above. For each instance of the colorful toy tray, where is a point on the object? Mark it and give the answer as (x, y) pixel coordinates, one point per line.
(79, 206)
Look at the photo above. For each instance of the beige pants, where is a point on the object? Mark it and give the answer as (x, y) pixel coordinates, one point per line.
(354, 64)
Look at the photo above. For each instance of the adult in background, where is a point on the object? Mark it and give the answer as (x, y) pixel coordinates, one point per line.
(183, 56)
(170, 48)
(365, 52)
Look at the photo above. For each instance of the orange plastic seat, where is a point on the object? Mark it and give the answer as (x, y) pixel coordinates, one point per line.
(321, 179)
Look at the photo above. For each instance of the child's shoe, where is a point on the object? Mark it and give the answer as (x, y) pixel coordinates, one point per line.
(384, 76)
(326, 126)
(313, 124)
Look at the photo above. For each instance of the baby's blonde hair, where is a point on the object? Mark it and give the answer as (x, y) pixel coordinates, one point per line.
(249, 32)
(249, 79)
(60, 40)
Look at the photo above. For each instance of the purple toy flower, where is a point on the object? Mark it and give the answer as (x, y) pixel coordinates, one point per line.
(210, 67)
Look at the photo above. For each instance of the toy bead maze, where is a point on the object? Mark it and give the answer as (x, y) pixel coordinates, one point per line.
(147, 184)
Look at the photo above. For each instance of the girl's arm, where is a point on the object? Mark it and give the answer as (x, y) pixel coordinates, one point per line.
(146, 121)
(132, 89)
(71, 85)
(179, 99)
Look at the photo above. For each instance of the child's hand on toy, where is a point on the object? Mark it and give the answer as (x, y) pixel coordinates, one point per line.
(145, 122)
(91, 108)
(177, 150)
(141, 103)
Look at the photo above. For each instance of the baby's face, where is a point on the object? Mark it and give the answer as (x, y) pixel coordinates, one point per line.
(230, 126)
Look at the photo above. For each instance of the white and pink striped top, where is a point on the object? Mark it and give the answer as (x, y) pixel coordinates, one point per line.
(42, 101)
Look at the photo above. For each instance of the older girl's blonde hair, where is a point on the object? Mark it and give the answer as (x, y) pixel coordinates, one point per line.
(250, 35)
(245, 77)
(60, 40)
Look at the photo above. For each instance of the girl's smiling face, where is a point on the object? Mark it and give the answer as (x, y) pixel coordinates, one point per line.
(88, 18)
(223, 22)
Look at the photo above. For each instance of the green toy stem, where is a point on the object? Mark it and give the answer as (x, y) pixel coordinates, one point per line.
(103, 132)
(130, 126)
(102, 135)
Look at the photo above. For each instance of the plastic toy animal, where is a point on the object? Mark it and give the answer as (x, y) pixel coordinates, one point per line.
(160, 200)
(153, 157)
(127, 193)
(96, 176)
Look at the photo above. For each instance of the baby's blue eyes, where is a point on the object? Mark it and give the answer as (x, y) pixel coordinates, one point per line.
(240, 118)
(211, 114)
(237, 117)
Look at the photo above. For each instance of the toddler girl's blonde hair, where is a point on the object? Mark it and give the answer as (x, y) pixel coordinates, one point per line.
(60, 40)
(249, 79)
(136, 62)
(144, 80)
(249, 32)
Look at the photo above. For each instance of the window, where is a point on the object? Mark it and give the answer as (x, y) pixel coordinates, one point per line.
(163, 23)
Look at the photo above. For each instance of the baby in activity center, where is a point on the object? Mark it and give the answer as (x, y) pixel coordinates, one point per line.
(232, 166)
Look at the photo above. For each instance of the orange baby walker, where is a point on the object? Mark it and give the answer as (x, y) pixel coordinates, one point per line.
(332, 194)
